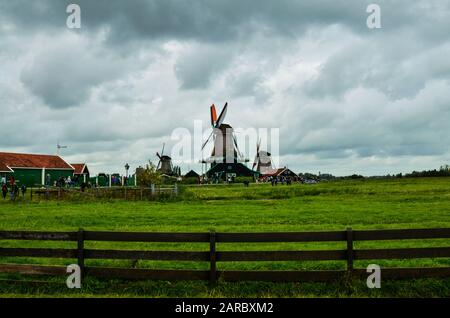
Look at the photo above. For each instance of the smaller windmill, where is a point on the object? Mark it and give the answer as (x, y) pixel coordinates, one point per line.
(263, 160)
(165, 163)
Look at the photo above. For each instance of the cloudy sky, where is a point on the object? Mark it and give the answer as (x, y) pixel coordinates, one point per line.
(346, 98)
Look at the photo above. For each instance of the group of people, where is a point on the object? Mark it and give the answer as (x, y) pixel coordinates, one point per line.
(68, 182)
(62, 182)
(117, 181)
(13, 189)
(280, 179)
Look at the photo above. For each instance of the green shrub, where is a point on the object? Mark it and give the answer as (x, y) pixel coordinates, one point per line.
(244, 179)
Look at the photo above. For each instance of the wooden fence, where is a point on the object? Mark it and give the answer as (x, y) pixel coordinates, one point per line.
(212, 256)
(125, 193)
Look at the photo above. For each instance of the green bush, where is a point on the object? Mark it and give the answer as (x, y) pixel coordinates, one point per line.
(244, 179)
(192, 180)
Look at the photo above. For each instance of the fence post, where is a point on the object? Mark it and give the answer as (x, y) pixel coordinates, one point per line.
(349, 250)
(80, 247)
(212, 257)
(175, 190)
(153, 189)
(31, 194)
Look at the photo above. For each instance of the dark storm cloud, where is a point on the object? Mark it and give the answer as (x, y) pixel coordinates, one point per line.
(345, 97)
(64, 74)
(206, 20)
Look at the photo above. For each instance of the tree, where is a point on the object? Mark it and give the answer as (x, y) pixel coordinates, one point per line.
(445, 168)
(148, 175)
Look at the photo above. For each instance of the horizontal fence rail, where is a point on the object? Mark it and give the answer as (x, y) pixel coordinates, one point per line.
(212, 256)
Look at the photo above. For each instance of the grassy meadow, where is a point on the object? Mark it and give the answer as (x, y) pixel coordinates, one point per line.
(360, 204)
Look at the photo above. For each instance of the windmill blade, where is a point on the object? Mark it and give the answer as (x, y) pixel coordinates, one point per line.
(255, 162)
(207, 140)
(158, 155)
(258, 145)
(162, 151)
(236, 145)
(222, 115)
(213, 115)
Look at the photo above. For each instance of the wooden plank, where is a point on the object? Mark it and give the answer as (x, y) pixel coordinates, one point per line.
(35, 235)
(281, 256)
(281, 276)
(32, 269)
(146, 237)
(80, 251)
(402, 253)
(281, 237)
(39, 252)
(404, 234)
(350, 251)
(212, 257)
(403, 273)
(147, 255)
(151, 274)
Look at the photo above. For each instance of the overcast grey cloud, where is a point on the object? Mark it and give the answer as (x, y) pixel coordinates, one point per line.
(347, 99)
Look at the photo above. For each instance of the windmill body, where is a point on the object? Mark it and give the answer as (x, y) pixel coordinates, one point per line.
(225, 161)
(165, 163)
(263, 161)
(165, 166)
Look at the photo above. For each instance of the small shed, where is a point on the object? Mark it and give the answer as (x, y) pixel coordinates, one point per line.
(81, 172)
(281, 172)
(191, 174)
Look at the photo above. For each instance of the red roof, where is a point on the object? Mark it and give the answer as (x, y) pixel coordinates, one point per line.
(276, 172)
(79, 167)
(21, 160)
(4, 168)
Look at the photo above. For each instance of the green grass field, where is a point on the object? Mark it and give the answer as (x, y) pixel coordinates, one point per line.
(362, 204)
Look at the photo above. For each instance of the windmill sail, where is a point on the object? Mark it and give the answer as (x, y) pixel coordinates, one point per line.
(222, 115)
(213, 115)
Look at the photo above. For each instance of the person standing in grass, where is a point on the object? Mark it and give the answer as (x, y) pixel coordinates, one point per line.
(4, 190)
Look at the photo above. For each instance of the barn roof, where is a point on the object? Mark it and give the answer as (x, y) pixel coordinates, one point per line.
(277, 172)
(4, 167)
(191, 174)
(79, 167)
(22, 160)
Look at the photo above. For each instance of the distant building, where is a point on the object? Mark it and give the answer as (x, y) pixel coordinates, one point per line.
(191, 174)
(281, 172)
(32, 169)
(81, 172)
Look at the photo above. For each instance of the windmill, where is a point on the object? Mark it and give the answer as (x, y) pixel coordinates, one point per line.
(165, 163)
(59, 147)
(225, 143)
(263, 160)
(226, 161)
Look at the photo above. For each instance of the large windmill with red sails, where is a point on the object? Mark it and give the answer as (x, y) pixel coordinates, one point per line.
(226, 161)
